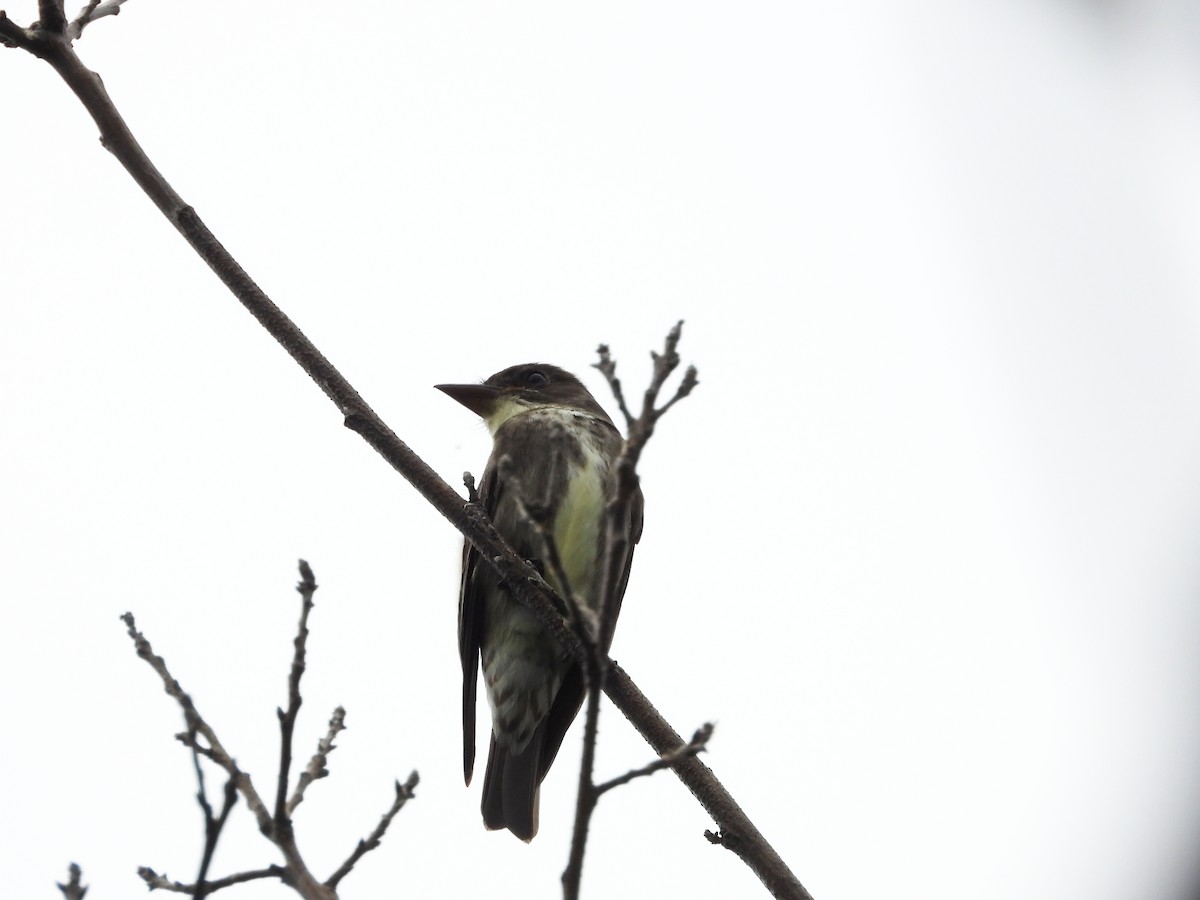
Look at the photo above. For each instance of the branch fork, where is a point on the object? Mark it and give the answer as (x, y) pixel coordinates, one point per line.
(276, 826)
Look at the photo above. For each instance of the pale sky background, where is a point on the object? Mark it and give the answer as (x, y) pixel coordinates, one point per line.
(923, 544)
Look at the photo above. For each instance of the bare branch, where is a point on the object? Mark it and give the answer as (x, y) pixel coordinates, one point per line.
(641, 429)
(188, 739)
(689, 382)
(81, 20)
(469, 483)
(278, 828)
(157, 882)
(213, 825)
(73, 889)
(51, 17)
(287, 720)
(664, 364)
(697, 744)
(404, 793)
(197, 726)
(608, 368)
(90, 13)
(614, 565)
(743, 837)
(13, 35)
(586, 795)
(316, 766)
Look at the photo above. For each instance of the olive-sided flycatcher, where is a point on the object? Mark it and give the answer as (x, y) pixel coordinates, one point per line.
(554, 445)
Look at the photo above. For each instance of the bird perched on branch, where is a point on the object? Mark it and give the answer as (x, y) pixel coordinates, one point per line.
(553, 464)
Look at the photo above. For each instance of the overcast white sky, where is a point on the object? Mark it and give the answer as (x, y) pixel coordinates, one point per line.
(922, 544)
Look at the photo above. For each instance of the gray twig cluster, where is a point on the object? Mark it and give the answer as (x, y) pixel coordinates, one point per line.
(616, 551)
(275, 825)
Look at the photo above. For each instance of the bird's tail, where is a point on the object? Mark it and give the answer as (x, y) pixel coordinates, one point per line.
(510, 786)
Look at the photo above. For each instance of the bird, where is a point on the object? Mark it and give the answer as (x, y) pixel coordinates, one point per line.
(554, 459)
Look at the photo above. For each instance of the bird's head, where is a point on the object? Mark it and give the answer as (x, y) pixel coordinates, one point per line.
(519, 389)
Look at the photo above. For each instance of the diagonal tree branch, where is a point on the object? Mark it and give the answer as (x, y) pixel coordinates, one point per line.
(404, 793)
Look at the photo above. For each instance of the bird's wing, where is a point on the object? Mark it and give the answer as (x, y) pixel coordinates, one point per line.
(470, 619)
(635, 535)
(633, 532)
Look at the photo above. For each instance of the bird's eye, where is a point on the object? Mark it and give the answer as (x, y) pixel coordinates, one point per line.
(536, 379)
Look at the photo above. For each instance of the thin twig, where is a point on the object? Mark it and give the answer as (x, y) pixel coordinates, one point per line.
(197, 725)
(608, 368)
(469, 483)
(188, 739)
(90, 13)
(73, 889)
(316, 766)
(614, 562)
(203, 741)
(287, 720)
(747, 842)
(641, 429)
(585, 797)
(213, 825)
(81, 21)
(664, 364)
(404, 793)
(157, 882)
(697, 744)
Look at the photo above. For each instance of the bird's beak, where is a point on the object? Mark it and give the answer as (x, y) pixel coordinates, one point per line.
(478, 398)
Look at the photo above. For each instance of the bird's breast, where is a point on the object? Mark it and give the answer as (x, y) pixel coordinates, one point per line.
(579, 522)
